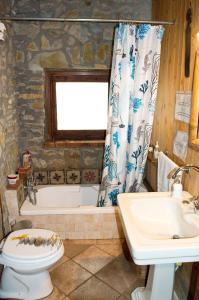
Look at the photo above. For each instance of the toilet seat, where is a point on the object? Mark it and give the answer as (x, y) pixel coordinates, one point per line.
(29, 257)
(25, 274)
(13, 249)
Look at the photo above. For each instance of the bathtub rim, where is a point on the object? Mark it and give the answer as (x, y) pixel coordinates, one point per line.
(33, 210)
(28, 209)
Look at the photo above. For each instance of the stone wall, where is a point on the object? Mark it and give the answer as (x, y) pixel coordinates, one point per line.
(8, 119)
(40, 45)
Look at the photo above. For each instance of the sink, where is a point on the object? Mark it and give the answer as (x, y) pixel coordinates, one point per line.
(160, 231)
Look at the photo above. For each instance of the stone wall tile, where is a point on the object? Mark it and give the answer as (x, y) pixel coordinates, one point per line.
(59, 45)
(30, 31)
(32, 46)
(91, 158)
(72, 158)
(48, 60)
(20, 57)
(88, 53)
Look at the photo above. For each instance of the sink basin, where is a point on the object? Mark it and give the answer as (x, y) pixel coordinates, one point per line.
(158, 228)
(160, 231)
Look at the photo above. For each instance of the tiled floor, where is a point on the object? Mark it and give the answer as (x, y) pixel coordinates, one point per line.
(103, 270)
(95, 270)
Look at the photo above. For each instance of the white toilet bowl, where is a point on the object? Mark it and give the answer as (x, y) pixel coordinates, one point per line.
(26, 262)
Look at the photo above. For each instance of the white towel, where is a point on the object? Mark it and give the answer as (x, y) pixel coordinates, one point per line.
(165, 165)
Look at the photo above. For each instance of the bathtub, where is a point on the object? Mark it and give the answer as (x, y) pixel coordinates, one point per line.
(70, 211)
(65, 199)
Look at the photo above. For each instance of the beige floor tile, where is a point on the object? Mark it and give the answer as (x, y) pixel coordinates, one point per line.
(94, 289)
(119, 274)
(93, 259)
(59, 262)
(84, 241)
(109, 241)
(56, 295)
(69, 276)
(114, 250)
(73, 249)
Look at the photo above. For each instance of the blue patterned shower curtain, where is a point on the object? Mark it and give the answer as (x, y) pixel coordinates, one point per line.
(132, 97)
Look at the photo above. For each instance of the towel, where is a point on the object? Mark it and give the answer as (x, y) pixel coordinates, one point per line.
(165, 165)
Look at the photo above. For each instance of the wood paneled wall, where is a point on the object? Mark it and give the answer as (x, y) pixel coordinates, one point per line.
(172, 78)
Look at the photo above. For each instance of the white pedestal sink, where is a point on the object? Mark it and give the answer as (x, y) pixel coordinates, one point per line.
(160, 231)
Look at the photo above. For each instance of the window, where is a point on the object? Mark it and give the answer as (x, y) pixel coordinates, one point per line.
(76, 105)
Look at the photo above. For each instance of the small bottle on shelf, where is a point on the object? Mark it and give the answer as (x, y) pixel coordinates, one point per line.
(156, 151)
(27, 159)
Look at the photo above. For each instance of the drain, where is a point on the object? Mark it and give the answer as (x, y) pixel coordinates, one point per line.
(186, 202)
(175, 237)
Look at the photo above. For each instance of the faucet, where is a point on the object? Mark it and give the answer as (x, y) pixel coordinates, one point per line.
(181, 170)
(30, 188)
(185, 169)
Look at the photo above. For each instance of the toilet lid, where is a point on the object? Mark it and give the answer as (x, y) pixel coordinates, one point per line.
(31, 244)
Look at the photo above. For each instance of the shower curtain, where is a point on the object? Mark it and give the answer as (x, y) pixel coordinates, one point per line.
(132, 97)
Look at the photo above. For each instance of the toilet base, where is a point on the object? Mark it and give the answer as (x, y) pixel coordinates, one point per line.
(25, 286)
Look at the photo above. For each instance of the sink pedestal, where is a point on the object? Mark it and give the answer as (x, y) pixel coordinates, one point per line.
(159, 284)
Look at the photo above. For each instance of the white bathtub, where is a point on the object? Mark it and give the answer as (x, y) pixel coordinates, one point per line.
(70, 211)
(65, 199)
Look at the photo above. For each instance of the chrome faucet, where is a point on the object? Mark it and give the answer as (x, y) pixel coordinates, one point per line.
(174, 174)
(183, 169)
(30, 188)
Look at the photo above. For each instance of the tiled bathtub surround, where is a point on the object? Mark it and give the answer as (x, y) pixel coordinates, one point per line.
(86, 176)
(74, 223)
(80, 226)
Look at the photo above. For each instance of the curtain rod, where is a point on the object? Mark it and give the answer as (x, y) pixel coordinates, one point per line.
(87, 20)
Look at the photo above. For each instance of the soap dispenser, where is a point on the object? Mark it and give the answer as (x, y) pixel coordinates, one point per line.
(177, 188)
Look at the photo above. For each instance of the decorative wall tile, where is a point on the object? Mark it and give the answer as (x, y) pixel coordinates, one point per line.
(73, 177)
(41, 177)
(56, 177)
(90, 176)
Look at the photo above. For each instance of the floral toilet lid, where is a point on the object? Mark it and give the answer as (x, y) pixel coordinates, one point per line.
(31, 244)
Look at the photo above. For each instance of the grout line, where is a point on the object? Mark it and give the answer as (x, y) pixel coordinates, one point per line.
(80, 251)
(82, 267)
(60, 290)
(79, 286)
(108, 285)
(99, 269)
(59, 264)
(107, 252)
(92, 275)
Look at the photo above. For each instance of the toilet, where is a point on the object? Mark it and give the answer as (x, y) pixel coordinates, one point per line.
(27, 255)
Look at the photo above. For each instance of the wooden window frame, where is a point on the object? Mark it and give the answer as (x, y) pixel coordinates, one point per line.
(80, 137)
